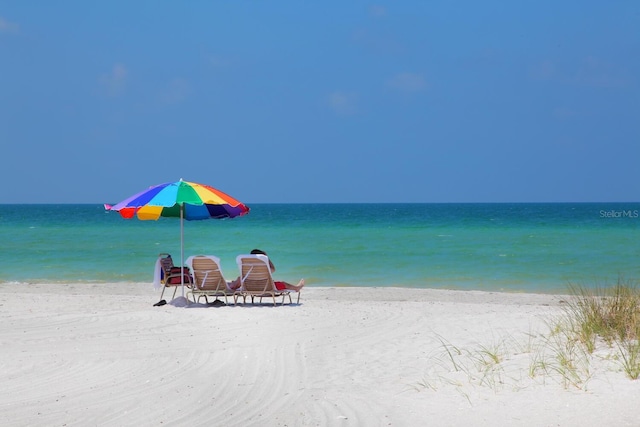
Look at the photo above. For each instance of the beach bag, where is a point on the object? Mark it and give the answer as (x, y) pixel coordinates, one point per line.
(174, 276)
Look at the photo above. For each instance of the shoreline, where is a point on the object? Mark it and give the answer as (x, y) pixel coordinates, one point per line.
(81, 354)
(147, 287)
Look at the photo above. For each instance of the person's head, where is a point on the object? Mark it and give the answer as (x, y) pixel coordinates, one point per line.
(260, 252)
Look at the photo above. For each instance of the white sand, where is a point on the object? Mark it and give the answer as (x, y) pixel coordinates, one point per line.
(87, 354)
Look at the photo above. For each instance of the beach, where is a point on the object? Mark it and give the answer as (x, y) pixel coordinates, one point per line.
(101, 354)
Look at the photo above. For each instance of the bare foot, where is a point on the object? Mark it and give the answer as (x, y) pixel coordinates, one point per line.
(300, 284)
(234, 284)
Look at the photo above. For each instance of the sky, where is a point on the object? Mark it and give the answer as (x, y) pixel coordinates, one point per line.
(321, 101)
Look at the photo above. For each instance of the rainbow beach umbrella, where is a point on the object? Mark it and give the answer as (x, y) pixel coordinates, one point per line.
(181, 199)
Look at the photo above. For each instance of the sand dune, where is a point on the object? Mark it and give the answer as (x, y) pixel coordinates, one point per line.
(89, 354)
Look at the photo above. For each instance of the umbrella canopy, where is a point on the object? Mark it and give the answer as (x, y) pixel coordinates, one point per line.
(190, 200)
(181, 199)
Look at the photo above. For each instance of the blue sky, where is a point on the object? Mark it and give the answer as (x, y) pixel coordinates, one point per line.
(333, 101)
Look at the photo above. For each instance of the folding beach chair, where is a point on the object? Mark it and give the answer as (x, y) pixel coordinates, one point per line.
(256, 279)
(170, 275)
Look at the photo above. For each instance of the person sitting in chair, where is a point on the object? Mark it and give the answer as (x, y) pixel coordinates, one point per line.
(281, 286)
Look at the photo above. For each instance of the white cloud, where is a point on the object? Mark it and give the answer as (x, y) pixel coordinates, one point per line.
(378, 41)
(343, 103)
(219, 62)
(564, 113)
(544, 70)
(591, 72)
(115, 81)
(176, 92)
(377, 11)
(408, 82)
(8, 27)
(597, 73)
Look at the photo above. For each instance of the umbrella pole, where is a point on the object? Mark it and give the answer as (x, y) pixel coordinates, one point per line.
(182, 248)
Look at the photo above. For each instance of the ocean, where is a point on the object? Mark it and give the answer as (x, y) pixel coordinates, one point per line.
(524, 247)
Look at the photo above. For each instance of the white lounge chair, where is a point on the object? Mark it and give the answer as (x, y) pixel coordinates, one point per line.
(257, 281)
(208, 280)
(168, 275)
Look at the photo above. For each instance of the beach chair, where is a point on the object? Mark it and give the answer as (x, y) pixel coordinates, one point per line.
(166, 262)
(208, 280)
(170, 275)
(256, 280)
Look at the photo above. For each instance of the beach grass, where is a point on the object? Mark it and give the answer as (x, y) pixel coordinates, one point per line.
(595, 324)
(605, 318)
(610, 314)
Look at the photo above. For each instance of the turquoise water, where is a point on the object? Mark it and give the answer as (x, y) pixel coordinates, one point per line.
(516, 247)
